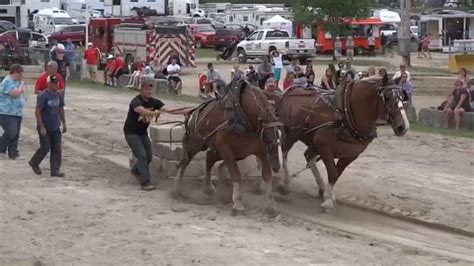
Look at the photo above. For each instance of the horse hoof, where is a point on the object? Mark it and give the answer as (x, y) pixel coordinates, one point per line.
(209, 191)
(328, 206)
(282, 190)
(237, 212)
(271, 212)
(321, 193)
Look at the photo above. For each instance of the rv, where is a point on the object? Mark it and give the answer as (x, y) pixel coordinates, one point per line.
(183, 7)
(77, 10)
(48, 20)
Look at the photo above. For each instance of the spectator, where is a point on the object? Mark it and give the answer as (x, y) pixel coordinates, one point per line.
(271, 85)
(252, 75)
(135, 78)
(54, 45)
(109, 71)
(425, 46)
(350, 71)
(277, 66)
(371, 45)
(405, 88)
(51, 70)
(12, 101)
(118, 70)
(237, 74)
(289, 80)
(70, 48)
(265, 70)
(328, 80)
(215, 79)
(310, 76)
(300, 80)
(294, 63)
(338, 49)
(63, 64)
(457, 104)
(49, 115)
(173, 71)
(403, 70)
(92, 56)
(371, 71)
(464, 78)
(350, 47)
(383, 42)
(153, 68)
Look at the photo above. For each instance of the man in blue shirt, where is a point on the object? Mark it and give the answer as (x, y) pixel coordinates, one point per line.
(12, 100)
(49, 115)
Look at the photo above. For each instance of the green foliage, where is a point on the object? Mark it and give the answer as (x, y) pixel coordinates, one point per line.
(330, 13)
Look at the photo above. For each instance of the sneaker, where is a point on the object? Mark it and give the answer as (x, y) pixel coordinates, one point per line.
(148, 187)
(58, 174)
(36, 168)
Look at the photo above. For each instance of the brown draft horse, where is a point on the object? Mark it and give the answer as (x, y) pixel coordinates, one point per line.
(336, 129)
(207, 128)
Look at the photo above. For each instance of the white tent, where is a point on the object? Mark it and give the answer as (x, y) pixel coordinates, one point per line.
(279, 23)
(387, 16)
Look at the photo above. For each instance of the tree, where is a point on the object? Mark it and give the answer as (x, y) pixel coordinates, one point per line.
(331, 14)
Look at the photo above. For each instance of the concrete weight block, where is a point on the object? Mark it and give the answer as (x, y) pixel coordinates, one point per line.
(123, 80)
(167, 133)
(162, 168)
(435, 118)
(173, 151)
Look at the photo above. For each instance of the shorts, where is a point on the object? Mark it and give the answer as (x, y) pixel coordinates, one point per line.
(175, 79)
(277, 74)
(92, 68)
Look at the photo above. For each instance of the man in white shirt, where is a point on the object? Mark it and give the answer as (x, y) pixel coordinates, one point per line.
(398, 74)
(173, 70)
(371, 41)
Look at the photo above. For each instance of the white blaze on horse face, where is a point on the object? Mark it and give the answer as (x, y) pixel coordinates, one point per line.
(404, 116)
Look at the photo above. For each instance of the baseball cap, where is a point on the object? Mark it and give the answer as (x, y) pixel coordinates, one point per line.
(60, 46)
(110, 57)
(271, 82)
(52, 79)
(89, 43)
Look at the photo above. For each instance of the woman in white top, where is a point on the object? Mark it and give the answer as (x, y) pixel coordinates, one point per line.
(278, 65)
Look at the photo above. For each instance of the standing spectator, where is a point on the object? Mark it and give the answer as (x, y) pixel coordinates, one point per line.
(12, 101)
(54, 45)
(42, 81)
(383, 41)
(403, 70)
(237, 74)
(457, 104)
(328, 81)
(265, 70)
(70, 48)
(371, 45)
(119, 69)
(49, 115)
(338, 49)
(92, 56)
(350, 47)
(310, 74)
(425, 46)
(142, 111)
(277, 66)
(405, 88)
(289, 80)
(215, 78)
(63, 64)
(252, 75)
(109, 71)
(134, 81)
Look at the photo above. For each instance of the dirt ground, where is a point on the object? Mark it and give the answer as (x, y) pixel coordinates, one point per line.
(97, 215)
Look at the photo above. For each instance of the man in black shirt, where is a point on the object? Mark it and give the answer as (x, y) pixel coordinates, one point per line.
(142, 111)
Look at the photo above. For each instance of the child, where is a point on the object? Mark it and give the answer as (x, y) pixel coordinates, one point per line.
(288, 82)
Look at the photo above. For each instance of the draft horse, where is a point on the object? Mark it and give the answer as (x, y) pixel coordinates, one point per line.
(336, 125)
(240, 124)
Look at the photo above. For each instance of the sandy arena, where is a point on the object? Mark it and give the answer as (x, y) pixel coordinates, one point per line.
(98, 216)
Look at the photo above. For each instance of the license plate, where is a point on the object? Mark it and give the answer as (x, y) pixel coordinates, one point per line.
(301, 46)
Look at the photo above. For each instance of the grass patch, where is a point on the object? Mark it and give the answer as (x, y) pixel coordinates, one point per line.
(206, 53)
(441, 131)
(430, 70)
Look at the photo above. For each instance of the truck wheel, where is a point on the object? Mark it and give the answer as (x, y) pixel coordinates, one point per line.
(198, 45)
(242, 56)
(129, 61)
(303, 60)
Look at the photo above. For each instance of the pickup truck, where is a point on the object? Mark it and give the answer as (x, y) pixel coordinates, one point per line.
(260, 42)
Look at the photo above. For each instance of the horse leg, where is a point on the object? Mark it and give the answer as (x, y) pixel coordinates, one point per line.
(267, 184)
(235, 175)
(317, 176)
(283, 187)
(211, 158)
(178, 183)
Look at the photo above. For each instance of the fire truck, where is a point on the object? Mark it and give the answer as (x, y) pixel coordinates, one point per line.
(137, 38)
(361, 29)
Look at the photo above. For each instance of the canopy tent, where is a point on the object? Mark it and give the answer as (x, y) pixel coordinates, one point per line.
(387, 16)
(279, 23)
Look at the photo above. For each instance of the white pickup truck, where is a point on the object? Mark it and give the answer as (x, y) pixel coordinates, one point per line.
(260, 42)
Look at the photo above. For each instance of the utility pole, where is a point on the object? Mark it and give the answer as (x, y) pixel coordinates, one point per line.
(404, 34)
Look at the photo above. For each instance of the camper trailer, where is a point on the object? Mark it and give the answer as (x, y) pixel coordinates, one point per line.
(49, 20)
(77, 10)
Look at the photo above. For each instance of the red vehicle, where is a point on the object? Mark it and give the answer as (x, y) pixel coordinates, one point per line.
(77, 33)
(228, 35)
(361, 30)
(203, 35)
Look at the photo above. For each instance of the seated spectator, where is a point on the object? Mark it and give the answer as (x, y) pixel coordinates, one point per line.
(371, 71)
(265, 70)
(173, 71)
(328, 80)
(294, 63)
(464, 78)
(51, 70)
(398, 74)
(310, 76)
(135, 79)
(119, 69)
(289, 79)
(151, 68)
(405, 88)
(252, 75)
(457, 104)
(109, 71)
(236, 73)
(216, 80)
(300, 80)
